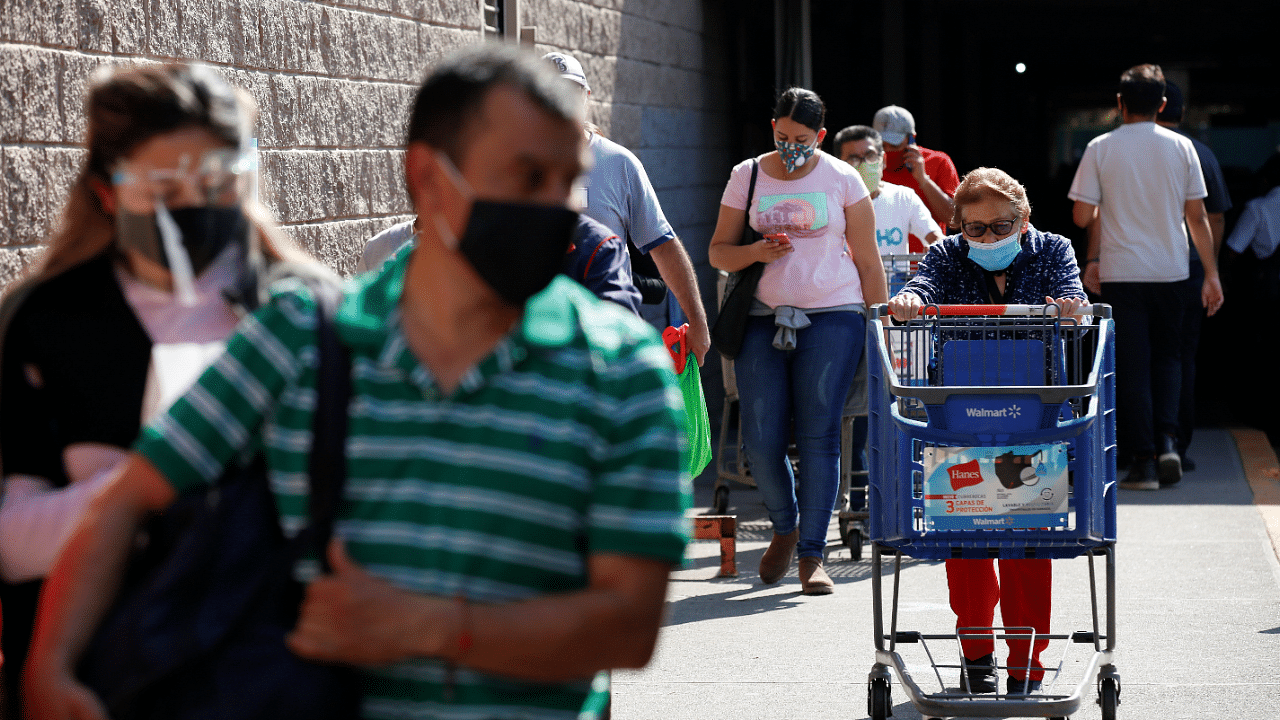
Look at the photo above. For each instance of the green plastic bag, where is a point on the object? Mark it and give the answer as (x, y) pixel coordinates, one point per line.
(596, 706)
(697, 423)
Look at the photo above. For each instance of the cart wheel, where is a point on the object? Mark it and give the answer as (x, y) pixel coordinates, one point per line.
(1108, 698)
(855, 544)
(879, 705)
(720, 501)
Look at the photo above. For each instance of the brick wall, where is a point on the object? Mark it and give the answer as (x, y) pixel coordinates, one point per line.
(333, 81)
(659, 86)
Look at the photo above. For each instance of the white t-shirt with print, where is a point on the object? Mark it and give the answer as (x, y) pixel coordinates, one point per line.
(819, 273)
(899, 213)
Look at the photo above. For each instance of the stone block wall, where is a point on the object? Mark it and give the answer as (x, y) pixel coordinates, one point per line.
(659, 86)
(333, 80)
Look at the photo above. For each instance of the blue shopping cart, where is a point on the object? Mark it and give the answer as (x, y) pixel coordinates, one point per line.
(992, 435)
(898, 269)
(852, 506)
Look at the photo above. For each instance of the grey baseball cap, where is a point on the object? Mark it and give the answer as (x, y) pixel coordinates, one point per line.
(894, 124)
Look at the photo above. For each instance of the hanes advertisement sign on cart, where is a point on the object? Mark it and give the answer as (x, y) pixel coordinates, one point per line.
(1021, 486)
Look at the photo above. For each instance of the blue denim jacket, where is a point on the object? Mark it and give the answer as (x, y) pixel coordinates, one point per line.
(1046, 266)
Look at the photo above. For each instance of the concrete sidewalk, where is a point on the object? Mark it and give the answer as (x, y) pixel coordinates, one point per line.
(1198, 607)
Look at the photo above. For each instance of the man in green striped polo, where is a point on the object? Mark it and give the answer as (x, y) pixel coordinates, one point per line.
(513, 502)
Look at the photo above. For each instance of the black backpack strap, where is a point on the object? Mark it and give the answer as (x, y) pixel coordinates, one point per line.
(327, 465)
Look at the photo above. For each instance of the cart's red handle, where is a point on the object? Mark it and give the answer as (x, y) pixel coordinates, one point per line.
(951, 310)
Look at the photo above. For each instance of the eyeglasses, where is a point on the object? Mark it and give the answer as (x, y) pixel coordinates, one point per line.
(999, 228)
(871, 156)
(215, 179)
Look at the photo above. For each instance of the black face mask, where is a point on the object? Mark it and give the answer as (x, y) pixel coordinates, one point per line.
(206, 231)
(517, 248)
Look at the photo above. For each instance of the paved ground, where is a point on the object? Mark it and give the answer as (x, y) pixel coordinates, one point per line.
(1198, 608)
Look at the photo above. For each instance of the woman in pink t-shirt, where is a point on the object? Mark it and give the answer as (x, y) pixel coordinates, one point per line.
(805, 335)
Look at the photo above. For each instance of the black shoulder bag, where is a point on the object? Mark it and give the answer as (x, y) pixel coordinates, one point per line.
(739, 291)
(197, 632)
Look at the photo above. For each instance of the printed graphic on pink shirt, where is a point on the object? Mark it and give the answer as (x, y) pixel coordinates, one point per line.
(799, 216)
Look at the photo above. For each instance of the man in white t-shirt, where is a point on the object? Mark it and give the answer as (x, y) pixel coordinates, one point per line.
(899, 211)
(1133, 189)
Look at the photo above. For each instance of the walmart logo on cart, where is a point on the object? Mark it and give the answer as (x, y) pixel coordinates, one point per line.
(992, 521)
(1010, 412)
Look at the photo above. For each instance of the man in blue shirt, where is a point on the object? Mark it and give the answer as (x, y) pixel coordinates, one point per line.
(620, 196)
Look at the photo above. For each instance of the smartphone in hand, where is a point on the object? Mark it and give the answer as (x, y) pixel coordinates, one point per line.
(777, 237)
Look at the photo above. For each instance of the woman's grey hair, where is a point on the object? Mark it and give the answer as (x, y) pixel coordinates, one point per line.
(983, 183)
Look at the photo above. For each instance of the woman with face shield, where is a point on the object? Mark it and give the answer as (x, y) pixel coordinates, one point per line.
(997, 259)
(157, 255)
(806, 328)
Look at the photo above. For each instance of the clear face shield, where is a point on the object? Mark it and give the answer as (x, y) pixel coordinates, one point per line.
(183, 217)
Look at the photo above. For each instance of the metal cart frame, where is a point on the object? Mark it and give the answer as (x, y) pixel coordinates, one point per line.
(912, 407)
(898, 269)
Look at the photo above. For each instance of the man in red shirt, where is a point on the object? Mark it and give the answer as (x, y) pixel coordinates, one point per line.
(929, 172)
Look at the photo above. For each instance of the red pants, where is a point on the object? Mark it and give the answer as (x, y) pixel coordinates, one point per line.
(1024, 593)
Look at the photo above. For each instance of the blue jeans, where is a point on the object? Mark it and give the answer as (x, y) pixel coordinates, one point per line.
(806, 386)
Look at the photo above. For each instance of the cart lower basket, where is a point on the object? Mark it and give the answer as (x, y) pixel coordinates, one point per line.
(938, 696)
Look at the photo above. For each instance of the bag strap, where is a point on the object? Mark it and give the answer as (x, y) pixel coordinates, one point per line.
(327, 463)
(751, 193)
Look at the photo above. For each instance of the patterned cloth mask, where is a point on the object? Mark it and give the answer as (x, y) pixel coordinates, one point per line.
(794, 154)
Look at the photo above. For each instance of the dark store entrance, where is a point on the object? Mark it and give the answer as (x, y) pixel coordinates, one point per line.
(1024, 86)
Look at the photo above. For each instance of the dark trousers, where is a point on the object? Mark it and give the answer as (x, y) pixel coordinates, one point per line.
(1192, 318)
(1148, 318)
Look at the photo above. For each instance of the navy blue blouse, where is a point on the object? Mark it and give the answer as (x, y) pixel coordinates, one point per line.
(1046, 266)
